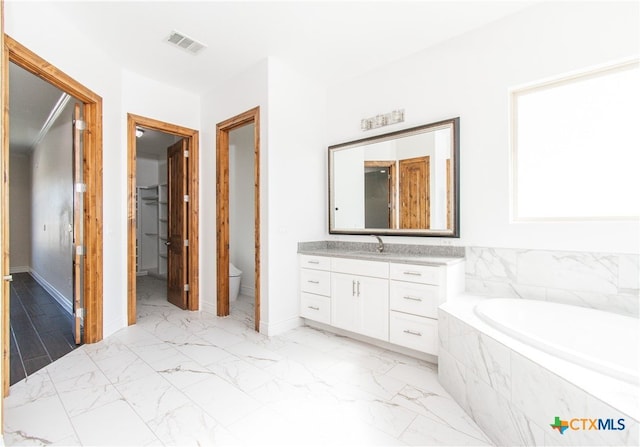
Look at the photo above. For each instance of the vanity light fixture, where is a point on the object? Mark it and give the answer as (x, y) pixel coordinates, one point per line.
(394, 117)
(139, 132)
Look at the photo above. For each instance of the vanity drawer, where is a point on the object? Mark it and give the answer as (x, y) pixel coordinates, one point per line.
(413, 298)
(315, 262)
(419, 333)
(315, 307)
(315, 281)
(359, 267)
(425, 274)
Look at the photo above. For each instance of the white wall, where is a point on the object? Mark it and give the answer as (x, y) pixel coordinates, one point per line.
(470, 76)
(20, 212)
(52, 207)
(147, 170)
(242, 205)
(48, 33)
(297, 173)
(243, 92)
(292, 184)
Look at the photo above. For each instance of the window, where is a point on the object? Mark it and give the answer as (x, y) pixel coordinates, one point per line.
(576, 147)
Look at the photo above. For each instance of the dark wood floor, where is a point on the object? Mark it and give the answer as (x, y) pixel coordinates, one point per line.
(41, 330)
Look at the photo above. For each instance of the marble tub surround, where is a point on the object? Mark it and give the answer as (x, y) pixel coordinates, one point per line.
(191, 378)
(514, 391)
(402, 253)
(609, 282)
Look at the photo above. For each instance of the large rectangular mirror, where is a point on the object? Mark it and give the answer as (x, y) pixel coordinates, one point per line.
(400, 183)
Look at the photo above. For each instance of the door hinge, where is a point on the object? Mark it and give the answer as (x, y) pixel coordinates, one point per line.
(80, 124)
(186, 154)
(186, 197)
(186, 287)
(186, 242)
(80, 250)
(81, 187)
(80, 313)
(8, 278)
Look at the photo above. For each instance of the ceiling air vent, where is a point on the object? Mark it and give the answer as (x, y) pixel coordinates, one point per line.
(185, 42)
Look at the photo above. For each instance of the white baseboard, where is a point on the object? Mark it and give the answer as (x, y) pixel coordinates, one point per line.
(60, 298)
(19, 269)
(271, 329)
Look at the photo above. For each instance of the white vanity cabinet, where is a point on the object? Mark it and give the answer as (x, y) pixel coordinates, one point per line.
(416, 291)
(360, 297)
(315, 288)
(393, 302)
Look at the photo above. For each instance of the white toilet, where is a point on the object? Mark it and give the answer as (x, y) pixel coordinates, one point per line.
(235, 276)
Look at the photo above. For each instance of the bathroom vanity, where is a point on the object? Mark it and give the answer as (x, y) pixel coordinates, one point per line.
(390, 297)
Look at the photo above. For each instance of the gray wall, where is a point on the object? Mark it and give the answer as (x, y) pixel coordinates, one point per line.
(52, 207)
(20, 212)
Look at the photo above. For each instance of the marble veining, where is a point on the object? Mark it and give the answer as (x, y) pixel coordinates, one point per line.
(513, 392)
(191, 378)
(602, 281)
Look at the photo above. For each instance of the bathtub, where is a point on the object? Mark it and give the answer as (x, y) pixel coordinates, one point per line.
(514, 365)
(597, 340)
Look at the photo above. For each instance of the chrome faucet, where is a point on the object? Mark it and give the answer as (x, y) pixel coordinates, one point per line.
(380, 247)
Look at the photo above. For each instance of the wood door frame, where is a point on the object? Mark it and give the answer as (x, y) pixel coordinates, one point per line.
(222, 208)
(92, 172)
(192, 137)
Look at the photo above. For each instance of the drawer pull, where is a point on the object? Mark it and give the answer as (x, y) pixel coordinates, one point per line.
(412, 298)
(412, 273)
(313, 281)
(313, 262)
(407, 331)
(313, 308)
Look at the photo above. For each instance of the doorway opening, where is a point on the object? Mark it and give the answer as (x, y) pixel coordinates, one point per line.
(163, 213)
(87, 248)
(233, 138)
(44, 214)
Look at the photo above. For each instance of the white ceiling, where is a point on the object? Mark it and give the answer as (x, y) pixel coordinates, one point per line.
(31, 100)
(330, 40)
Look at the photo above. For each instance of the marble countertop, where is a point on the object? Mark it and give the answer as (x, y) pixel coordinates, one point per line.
(403, 254)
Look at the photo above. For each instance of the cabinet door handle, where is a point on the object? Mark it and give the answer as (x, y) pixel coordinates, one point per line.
(412, 298)
(313, 281)
(313, 307)
(313, 262)
(353, 287)
(410, 332)
(413, 273)
(358, 288)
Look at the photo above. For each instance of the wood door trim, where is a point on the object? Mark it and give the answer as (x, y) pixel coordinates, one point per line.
(194, 270)
(222, 209)
(92, 172)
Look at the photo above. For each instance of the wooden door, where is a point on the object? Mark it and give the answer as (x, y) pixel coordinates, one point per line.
(177, 230)
(78, 219)
(414, 193)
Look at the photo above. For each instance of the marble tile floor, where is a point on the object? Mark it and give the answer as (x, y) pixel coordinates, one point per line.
(191, 378)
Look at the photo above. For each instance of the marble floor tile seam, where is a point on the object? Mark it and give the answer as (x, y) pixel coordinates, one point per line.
(73, 422)
(348, 395)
